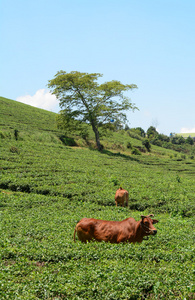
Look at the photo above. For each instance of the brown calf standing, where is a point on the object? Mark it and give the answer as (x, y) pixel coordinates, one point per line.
(121, 197)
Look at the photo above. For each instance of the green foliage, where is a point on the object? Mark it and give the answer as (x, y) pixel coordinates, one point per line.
(189, 141)
(146, 143)
(67, 140)
(160, 140)
(178, 178)
(133, 134)
(138, 130)
(151, 132)
(48, 186)
(135, 151)
(2, 135)
(84, 100)
(5, 134)
(178, 140)
(129, 146)
(14, 114)
(14, 149)
(175, 142)
(114, 180)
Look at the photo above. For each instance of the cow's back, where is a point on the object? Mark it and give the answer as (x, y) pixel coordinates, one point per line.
(102, 230)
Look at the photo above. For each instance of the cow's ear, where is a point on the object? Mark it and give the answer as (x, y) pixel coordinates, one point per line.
(154, 221)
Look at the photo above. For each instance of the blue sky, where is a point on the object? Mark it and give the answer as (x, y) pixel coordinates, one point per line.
(148, 43)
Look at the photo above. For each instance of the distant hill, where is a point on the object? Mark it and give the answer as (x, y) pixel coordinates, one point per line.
(185, 135)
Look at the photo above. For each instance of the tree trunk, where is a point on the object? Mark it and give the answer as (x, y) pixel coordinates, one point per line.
(97, 136)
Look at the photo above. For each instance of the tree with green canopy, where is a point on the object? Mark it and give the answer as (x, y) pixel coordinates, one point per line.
(84, 100)
(152, 132)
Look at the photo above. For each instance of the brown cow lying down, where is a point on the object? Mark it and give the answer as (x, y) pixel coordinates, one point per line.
(121, 197)
(127, 230)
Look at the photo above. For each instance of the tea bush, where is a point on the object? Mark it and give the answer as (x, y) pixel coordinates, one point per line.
(47, 187)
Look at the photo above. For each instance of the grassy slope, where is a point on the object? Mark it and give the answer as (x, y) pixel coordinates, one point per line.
(47, 187)
(16, 115)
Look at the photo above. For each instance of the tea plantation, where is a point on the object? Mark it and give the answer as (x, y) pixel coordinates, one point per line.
(46, 187)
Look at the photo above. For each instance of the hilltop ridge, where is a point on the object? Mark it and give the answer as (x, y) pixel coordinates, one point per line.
(23, 116)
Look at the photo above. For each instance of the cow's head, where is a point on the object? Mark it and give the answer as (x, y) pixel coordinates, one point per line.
(147, 225)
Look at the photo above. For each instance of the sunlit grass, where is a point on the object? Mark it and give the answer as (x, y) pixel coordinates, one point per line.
(47, 187)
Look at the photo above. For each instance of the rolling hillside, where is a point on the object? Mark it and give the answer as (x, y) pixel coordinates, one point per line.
(29, 120)
(47, 186)
(14, 114)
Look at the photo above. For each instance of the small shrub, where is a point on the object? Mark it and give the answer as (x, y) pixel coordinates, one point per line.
(67, 141)
(146, 143)
(189, 141)
(135, 151)
(129, 146)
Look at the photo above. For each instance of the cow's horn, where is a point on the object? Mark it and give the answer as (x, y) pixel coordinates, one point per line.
(150, 216)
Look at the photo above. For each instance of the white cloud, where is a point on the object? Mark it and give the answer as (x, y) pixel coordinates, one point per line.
(41, 99)
(187, 130)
